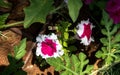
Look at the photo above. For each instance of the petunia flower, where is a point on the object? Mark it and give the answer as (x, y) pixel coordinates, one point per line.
(84, 32)
(48, 46)
(113, 9)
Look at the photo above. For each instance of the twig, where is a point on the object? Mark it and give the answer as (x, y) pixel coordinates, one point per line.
(100, 69)
(33, 45)
(104, 67)
(29, 54)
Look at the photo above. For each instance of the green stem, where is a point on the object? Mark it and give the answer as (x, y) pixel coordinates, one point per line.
(109, 42)
(109, 45)
(11, 25)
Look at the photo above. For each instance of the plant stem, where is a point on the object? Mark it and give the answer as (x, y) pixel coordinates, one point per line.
(11, 25)
(104, 67)
(100, 69)
(109, 45)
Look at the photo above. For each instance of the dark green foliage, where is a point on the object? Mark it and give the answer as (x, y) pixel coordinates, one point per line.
(74, 65)
(3, 18)
(110, 52)
(110, 47)
(37, 11)
(15, 67)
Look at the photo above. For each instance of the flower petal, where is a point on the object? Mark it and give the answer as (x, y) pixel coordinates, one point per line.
(85, 31)
(48, 46)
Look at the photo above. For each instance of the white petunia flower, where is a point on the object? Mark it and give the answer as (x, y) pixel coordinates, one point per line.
(48, 46)
(84, 32)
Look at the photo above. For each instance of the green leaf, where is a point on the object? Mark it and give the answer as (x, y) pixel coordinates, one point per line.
(74, 65)
(3, 18)
(72, 48)
(114, 30)
(109, 59)
(104, 31)
(65, 44)
(37, 11)
(99, 54)
(14, 67)
(19, 50)
(5, 4)
(104, 18)
(76, 62)
(74, 7)
(66, 35)
(116, 38)
(101, 4)
(56, 62)
(102, 53)
(104, 41)
(82, 58)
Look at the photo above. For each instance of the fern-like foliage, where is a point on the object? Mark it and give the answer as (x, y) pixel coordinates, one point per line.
(74, 65)
(110, 50)
(3, 19)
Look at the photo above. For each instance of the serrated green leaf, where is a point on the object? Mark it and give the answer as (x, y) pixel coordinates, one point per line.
(104, 41)
(3, 18)
(71, 65)
(37, 11)
(104, 31)
(102, 53)
(68, 65)
(99, 54)
(82, 58)
(116, 38)
(105, 52)
(110, 23)
(67, 61)
(88, 69)
(114, 30)
(74, 7)
(76, 62)
(109, 60)
(84, 62)
(19, 51)
(56, 62)
(105, 18)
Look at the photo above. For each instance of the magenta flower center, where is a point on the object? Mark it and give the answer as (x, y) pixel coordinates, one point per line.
(48, 47)
(87, 31)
